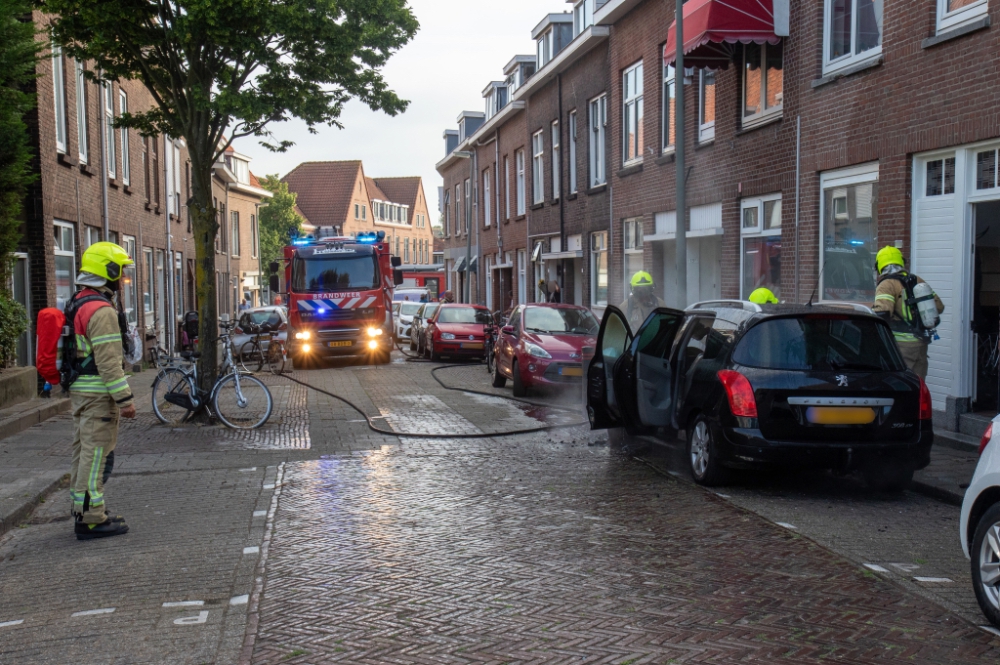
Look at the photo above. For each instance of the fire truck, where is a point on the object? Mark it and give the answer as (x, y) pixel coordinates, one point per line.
(339, 296)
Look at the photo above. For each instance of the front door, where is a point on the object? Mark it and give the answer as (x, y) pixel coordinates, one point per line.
(612, 341)
(656, 389)
(19, 288)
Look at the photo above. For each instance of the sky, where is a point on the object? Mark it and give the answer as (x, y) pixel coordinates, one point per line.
(461, 46)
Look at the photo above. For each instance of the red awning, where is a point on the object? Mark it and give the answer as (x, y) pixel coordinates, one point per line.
(713, 27)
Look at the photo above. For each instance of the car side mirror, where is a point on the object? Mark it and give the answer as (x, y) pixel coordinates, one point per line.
(508, 330)
(397, 276)
(274, 266)
(396, 261)
(273, 283)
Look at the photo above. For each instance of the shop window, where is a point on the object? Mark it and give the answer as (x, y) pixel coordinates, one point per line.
(941, 177)
(599, 269)
(853, 32)
(849, 231)
(763, 81)
(761, 244)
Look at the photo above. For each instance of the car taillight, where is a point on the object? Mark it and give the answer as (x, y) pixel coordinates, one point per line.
(926, 407)
(986, 439)
(741, 400)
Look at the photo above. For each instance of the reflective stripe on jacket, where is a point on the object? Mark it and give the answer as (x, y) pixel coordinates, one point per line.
(99, 339)
(890, 297)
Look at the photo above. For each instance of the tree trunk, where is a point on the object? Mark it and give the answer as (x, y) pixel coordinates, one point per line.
(205, 226)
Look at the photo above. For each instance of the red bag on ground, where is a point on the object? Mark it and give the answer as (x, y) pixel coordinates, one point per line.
(48, 357)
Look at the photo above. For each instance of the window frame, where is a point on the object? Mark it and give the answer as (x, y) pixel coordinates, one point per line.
(598, 124)
(543, 48)
(59, 99)
(126, 163)
(764, 114)
(487, 211)
(520, 183)
(573, 184)
(831, 65)
(597, 250)
(583, 16)
(633, 103)
(924, 179)
(59, 250)
(538, 167)
(108, 117)
(254, 233)
(447, 212)
(947, 20)
(756, 232)
(668, 120)
(234, 230)
(706, 130)
(556, 171)
(130, 272)
(848, 177)
(148, 278)
(82, 140)
(506, 185)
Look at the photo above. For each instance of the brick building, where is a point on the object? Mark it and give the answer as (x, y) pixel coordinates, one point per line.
(81, 162)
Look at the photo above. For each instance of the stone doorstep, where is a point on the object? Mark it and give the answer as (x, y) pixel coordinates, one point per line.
(14, 515)
(14, 420)
(17, 385)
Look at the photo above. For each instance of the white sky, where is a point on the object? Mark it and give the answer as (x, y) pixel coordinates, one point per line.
(461, 46)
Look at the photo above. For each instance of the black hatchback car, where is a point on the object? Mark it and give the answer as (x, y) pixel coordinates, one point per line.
(780, 385)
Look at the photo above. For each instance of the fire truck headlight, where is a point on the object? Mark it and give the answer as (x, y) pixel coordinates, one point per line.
(374, 332)
(373, 345)
(306, 348)
(303, 335)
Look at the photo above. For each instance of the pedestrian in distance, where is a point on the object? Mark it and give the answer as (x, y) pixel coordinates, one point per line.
(909, 305)
(555, 293)
(447, 297)
(763, 296)
(99, 390)
(642, 301)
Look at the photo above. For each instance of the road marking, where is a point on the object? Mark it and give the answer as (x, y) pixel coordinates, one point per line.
(876, 568)
(934, 580)
(87, 613)
(201, 617)
(988, 629)
(260, 513)
(250, 470)
(11, 623)
(269, 486)
(787, 525)
(251, 550)
(185, 603)
(905, 567)
(239, 600)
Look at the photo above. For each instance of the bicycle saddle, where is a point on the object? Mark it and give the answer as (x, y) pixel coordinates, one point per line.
(190, 355)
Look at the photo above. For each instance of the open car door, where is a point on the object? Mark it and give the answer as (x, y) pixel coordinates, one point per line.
(655, 378)
(612, 341)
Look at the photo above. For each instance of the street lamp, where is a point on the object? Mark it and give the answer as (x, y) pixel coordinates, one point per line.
(465, 154)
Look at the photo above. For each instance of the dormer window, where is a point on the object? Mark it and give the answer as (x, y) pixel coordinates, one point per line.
(583, 16)
(544, 49)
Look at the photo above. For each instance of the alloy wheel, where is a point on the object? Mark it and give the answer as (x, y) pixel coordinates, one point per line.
(699, 449)
(989, 565)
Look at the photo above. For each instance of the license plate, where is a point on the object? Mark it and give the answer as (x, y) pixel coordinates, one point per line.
(334, 345)
(571, 371)
(472, 345)
(834, 415)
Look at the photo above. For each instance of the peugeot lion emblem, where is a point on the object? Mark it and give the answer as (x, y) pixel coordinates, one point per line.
(841, 381)
(574, 356)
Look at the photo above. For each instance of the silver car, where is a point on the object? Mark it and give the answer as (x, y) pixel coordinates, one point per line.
(275, 316)
(419, 323)
(404, 319)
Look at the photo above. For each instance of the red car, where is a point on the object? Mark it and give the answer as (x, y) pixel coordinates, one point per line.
(456, 330)
(542, 345)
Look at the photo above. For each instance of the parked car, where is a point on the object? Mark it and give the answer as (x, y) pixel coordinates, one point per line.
(275, 316)
(404, 319)
(789, 385)
(980, 525)
(418, 325)
(456, 331)
(542, 345)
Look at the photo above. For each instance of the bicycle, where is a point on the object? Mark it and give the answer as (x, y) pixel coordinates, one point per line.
(252, 353)
(240, 401)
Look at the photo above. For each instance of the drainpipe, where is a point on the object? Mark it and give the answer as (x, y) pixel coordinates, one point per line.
(170, 316)
(229, 252)
(105, 223)
(681, 215)
(562, 194)
(798, 172)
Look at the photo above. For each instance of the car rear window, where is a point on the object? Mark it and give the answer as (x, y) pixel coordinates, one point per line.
(819, 342)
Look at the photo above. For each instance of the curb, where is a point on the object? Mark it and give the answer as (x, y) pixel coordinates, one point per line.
(18, 423)
(937, 493)
(18, 514)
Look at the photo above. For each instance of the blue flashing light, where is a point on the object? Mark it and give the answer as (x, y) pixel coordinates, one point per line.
(300, 242)
(370, 237)
(321, 311)
(857, 242)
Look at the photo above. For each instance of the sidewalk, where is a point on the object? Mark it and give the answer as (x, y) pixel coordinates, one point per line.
(953, 462)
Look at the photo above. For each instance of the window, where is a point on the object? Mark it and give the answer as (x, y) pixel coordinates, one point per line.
(364, 212)
(458, 210)
(583, 16)
(599, 269)
(941, 177)
(598, 140)
(253, 236)
(468, 204)
(486, 198)
(853, 32)
(706, 106)
(91, 235)
(59, 94)
(178, 285)
(761, 244)
(147, 286)
(633, 232)
(543, 49)
(538, 168)
(556, 171)
(986, 169)
(849, 229)
(763, 81)
(519, 164)
(398, 253)
(406, 250)
(83, 146)
(65, 251)
(109, 130)
(506, 186)
(154, 166)
(669, 128)
(129, 292)
(953, 13)
(357, 211)
(126, 166)
(235, 229)
(572, 153)
(632, 114)
(447, 213)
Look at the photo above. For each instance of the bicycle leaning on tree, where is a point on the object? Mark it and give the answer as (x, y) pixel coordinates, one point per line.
(239, 400)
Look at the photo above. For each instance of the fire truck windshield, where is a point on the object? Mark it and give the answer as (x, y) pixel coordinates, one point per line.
(326, 274)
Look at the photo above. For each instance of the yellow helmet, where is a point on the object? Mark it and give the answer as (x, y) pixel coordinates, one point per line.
(641, 278)
(763, 296)
(889, 256)
(106, 260)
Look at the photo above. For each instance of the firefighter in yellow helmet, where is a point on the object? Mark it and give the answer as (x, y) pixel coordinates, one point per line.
(642, 301)
(99, 391)
(763, 296)
(909, 305)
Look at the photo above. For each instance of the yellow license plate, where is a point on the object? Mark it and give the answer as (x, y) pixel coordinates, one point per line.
(571, 371)
(472, 345)
(336, 344)
(836, 415)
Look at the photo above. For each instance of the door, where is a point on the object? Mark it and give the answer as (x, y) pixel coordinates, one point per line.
(19, 289)
(655, 388)
(613, 339)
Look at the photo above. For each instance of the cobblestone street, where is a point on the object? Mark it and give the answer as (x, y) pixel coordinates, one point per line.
(317, 540)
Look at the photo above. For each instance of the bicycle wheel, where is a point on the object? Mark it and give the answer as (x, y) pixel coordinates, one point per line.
(242, 401)
(179, 385)
(276, 357)
(251, 357)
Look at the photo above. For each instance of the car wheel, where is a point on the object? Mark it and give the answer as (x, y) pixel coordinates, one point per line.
(519, 389)
(499, 380)
(888, 475)
(703, 457)
(430, 352)
(985, 553)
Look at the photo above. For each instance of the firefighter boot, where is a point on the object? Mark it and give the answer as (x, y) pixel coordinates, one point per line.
(105, 529)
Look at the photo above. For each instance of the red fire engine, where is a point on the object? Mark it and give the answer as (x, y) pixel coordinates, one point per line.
(339, 296)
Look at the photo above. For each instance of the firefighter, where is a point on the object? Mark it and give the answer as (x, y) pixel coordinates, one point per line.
(912, 336)
(642, 301)
(763, 296)
(100, 394)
